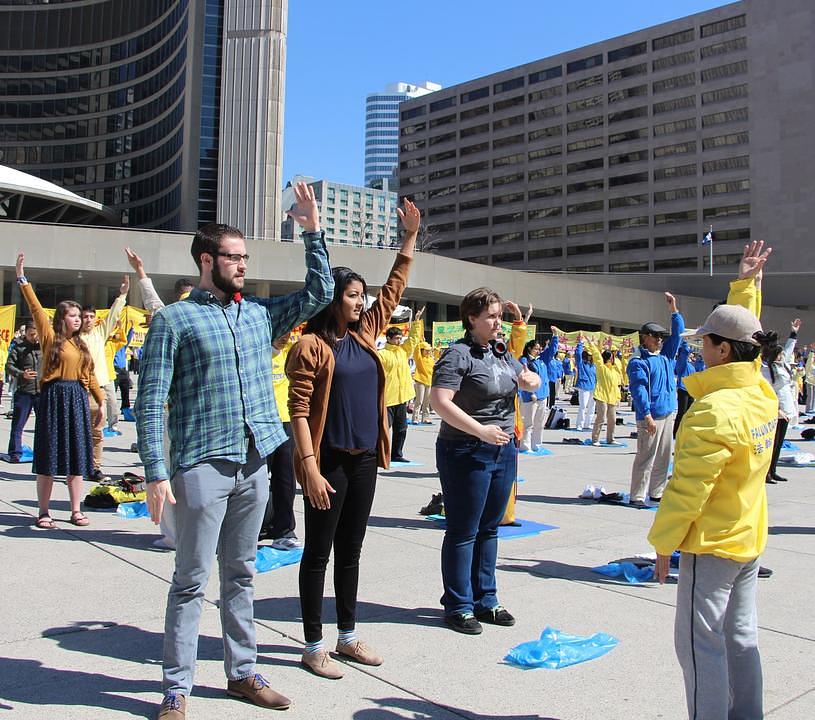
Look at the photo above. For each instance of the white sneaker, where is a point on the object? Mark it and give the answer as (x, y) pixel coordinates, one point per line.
(287, 543)
(597, 443)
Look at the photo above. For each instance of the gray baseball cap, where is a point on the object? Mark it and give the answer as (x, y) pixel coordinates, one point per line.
(732, 322)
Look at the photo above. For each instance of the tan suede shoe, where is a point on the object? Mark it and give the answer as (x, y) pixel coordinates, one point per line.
(359, 651)
(256, 690)
(320, 663)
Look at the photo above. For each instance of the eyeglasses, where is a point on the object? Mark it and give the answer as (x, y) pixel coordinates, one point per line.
(233, 257)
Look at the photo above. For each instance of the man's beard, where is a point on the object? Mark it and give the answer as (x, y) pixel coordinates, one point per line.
(224, 284)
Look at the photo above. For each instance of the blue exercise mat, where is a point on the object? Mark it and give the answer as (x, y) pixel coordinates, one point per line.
(108, 432)
(603, 443)
(271, 558)
(520, 479)
(628, 570)
(525, 528)
(539, 451)
(397, 465)
(555, 649)
(133, 510)
(426, 424)
(787, 445)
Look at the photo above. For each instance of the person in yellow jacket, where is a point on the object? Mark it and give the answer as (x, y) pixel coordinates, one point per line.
(714, 510)
(398, 381)
(809, 380)
(423, 361)
(606, 392)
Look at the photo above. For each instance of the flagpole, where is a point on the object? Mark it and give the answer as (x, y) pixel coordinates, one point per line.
(711, 250)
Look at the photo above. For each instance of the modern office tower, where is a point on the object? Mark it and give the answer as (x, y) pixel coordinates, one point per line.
(382, 127)
(121, 103)
(619, 156)
(349, 214)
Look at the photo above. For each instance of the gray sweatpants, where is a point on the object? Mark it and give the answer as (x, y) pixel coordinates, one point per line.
(716, 638)
(653, 457)
(219, 508)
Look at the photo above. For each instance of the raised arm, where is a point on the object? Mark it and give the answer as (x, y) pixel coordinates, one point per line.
(517, 335)
(416, 334)
(41, 319)
(379, 314)
(671, 344)
(149, 296)
(106, 327)
(288, 311)
(745, 290)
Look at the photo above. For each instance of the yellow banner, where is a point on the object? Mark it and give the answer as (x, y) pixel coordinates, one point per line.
(626, 343)
(8, 315)
(132, 318)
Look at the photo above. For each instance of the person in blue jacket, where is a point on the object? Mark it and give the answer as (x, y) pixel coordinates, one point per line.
(682, 368)
(533, 404)
(652, 383)
(585, 384)
(554, 368)
(568, 374)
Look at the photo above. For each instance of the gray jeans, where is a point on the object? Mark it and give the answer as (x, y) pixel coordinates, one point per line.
(653, 457)
(716, 638)
(219, 508)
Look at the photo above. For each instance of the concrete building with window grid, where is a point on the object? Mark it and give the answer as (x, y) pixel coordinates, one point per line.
(615, 158)
(349, 214)
(169, 112)
(382, 128)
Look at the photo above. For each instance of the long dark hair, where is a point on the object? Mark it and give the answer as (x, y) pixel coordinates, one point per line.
(324, 323)
(528, 347)
(770, 351)
(60, 337)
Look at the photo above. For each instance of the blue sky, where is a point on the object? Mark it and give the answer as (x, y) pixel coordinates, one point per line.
(338, 52)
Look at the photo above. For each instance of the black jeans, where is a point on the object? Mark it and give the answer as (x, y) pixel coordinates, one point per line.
(780, 434)
(683, 402)
(123, 386)
(343, 525)
(397, 419)
(278, 520)
(552, 394)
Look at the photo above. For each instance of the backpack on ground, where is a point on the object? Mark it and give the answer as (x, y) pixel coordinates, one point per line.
(556, 415)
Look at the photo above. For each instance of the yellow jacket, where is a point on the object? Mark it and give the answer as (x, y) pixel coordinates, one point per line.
(423, 362)
(398, 381)
(609, 376)
(716, 503)
(280, 383)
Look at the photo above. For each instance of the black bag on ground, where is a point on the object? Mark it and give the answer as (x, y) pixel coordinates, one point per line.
(556, 415)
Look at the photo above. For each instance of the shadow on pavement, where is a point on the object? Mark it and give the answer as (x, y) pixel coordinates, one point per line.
(288, 609)
(791, 530)
(417, 709)
(552, 500)
(562, 571)
(417, 523)
(407, 474)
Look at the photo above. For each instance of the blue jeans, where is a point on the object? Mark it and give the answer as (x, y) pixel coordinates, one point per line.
(219, 508)
(476, 479)
(24, 403)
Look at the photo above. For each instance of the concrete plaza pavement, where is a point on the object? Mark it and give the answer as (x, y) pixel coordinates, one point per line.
(83, 608)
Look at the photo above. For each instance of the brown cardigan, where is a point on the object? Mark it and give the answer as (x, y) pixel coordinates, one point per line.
(310, 367)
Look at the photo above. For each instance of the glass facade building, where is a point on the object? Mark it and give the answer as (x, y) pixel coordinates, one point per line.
(92, 99)
(382, 128)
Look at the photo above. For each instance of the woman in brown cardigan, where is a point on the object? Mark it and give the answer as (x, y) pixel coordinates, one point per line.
(62, 434)
(340, 428)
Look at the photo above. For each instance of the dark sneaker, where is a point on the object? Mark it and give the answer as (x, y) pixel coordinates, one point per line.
(256, 690)
(464, 623)
(496, 616)
(764, 572)
(769, 480)
(638, 504)
(98, 476)
(173, 707)
(435, 506)
(400, 460)
(778, 478)
(655, 499)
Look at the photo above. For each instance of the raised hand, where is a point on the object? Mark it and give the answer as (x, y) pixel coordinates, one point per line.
(795, 325)
(136, 263)
(124, 288)
(305, 212)
(420, 313)
(528, 314)
(671, 300)
(410, 216)
(19, 266)
(753, 259)
(513, 309)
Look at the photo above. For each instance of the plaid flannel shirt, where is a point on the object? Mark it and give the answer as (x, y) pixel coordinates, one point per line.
(212, 365)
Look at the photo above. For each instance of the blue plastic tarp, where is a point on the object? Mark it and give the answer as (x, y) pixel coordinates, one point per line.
(633, 574)
(270, 558)
(133, 510)
(555, 649)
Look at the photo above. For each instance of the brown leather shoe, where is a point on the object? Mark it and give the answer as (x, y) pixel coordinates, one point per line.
(256, 690)
(359, 651)
(173, 707)
(320, 663)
